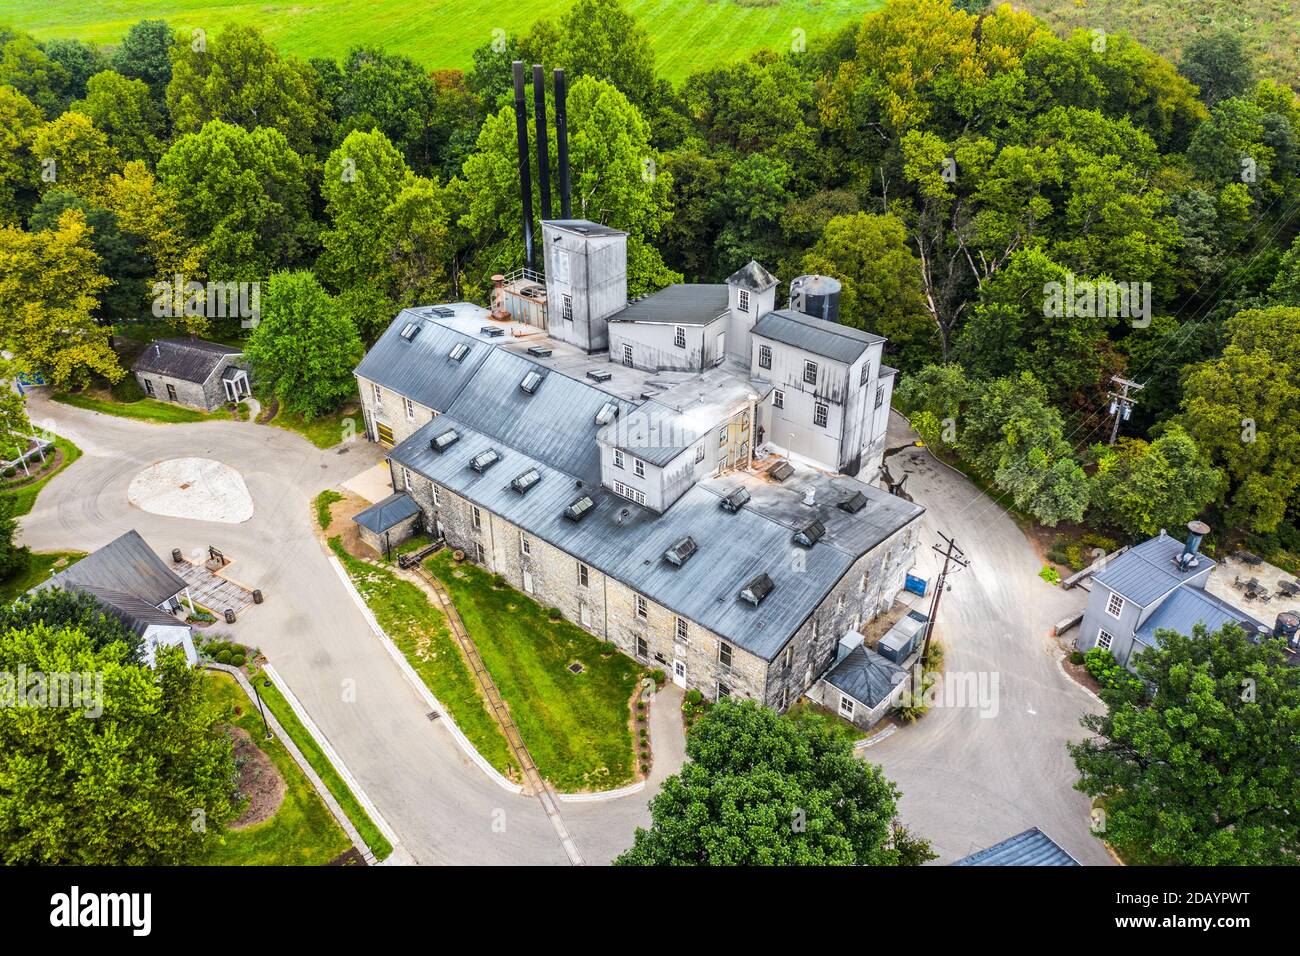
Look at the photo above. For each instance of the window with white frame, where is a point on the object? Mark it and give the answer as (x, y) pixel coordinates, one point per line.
(482, 554)
(723, 690)
(679, 337)
(630, 493)
(638, 467)
(866, 372)
(1104, 639)
(789, 656)
(862, 582)
(618, 458)
(810, 372)
(525, 546)
(785, 697)
(742, 300)
(819, 415)
(1114, 605)
(566, 307)
(846, 707)
(778, 398)
(814, 629)
(642, 648)
(584, 576)
(437, 494)
(379, 396)
(880, 395)
(406, 478)
(765, 356)
(722, 435)
(683, 632)
(642, 608)
(724, 653)
(699, 454)
(478, 520)
(410, 408)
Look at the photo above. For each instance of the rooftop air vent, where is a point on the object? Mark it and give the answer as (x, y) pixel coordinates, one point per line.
(492, 331)
(540, 351)
(531, 381)
(578, 509)
(522, 483)
(681, 552)
(458, 351)
(810, 534)
(410, 331)
(735, 501)
(484, 460)
(781, 471)
(599, 375)
(756, 590)
(442, 311)
(441, 443)
(608, 412)
(854, 504)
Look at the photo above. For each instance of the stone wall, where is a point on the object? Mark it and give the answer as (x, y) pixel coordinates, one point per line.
(390, 410)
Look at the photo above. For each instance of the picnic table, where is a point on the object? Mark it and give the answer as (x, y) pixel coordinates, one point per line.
(1245, 557)
(1289, 588)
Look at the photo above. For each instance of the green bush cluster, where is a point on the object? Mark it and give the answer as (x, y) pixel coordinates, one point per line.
(1101, 664)
(1077, 555)
(226, 652)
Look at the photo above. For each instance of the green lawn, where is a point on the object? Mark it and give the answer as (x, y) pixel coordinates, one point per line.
(420, 632)
(40, 565)
(302, 831)
(323, 502)
(24, 497)
(575, 725)
(324, 431)
(146, 409)
(277, 705)
(686, 34)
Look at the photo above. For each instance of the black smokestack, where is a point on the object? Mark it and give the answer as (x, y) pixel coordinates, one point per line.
(525, 175)
(562, 143)
(543, 155)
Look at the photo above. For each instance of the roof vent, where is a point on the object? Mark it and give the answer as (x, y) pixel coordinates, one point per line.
(854, 504)
(599, 375)
(484, 460)
(681, 552)
(492, 331)
(522, 483)
(539, 351)
(441, 443)
(410, 331)
(441, 311)
(736, 500)
(458, 351)
(781, 471)
(531, 381)
(578, 509)
(756, 590)
(608, 412)
(810, 534)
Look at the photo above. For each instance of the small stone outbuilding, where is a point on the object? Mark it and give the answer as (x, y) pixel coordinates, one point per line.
(388, 523)
(192, 372)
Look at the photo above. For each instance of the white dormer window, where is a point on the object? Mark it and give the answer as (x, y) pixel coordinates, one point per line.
(638, 467)
(679, 337)
(618, 458)
(810, 372)
(742, 300)
(1114, 605)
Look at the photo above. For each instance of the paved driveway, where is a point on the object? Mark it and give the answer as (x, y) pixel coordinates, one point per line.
(968, 780)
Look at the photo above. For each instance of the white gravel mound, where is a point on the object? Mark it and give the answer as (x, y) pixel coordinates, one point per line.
(197, 488)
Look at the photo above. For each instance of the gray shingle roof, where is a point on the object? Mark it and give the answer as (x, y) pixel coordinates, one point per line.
(190, 360)
(752, 276)
(627, 542)
(1146, 572)
(693, 304)
(135, 613)
(422, 369)
(1189, 606)
(866, 676)
(127, 565)
(828, 339)
(1031, 848)
(388, 513)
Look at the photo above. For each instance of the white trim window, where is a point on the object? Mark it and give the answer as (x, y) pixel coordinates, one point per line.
(379, 396)
(810, 372)
(437, 495)
(679, 337)
(683, 631)
(778, 398)
(1114, 605)
(699, 454)
(406, 478)
(584, 576)
(410, 409)
(638, 467)
(866, 373)
(566, 307)
(525, 546)
(724, 654)
(846, 707)
(642, 608)
(820, 415)
(880, 395)
(477, 520)
(723, 690)
(1104, 639)
(630, 493)
(765, 356)
(722, 435)
(742, 300)
(618, 458)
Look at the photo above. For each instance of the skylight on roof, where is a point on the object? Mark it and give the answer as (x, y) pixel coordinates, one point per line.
(756, 590)
(531, 381)
(781, 471)
(441, 443)
(410, 331)
(579, 508)
(854, 504)
(599, 375)
(484, 460)
(458, 351)
(522, 483)
(681, 551)
(492, 331)
(541, 351)
(441, 311)
(810, 534)
(608, 412)
(735, 501)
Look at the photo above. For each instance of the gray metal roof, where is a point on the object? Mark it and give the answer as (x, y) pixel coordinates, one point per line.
(752, 276)
(585, 227)
(388, 513)
(556, 424)
(190, 360)
(422, 368)
(1189, 606)
(1031, 848)
(136, 614)
(1146, 572)
(128, 565)
(694, 304)
(627, 542)
(866, 676)
(829, 339)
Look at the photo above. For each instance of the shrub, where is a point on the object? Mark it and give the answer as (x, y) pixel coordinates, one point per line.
(498, 581)
(224, 656)
(237, 660)
(554, 614)
(658, 676)
(1076, 657)
(126, 389)
(1050, 574)
(1101, 664)
(694, 697)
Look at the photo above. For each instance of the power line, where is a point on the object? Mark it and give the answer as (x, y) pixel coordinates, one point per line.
(1121, 405)
(951, 555)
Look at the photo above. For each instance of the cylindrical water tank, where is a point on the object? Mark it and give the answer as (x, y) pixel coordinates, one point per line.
(818, 296)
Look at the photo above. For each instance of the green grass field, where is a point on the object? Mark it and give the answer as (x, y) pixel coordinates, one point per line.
(687, 34)
(40, 565)
(145, 410)
(24, 496)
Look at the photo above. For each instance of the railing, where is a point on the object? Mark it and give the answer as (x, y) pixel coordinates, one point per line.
(530, 274)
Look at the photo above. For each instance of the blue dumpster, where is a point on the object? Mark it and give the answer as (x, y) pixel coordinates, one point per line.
(915, 585)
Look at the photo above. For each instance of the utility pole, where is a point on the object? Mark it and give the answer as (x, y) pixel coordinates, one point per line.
(1120, 404)
(951, 555)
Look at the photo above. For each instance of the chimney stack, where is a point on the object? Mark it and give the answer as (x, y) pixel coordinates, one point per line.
(1196, 530)
(525, 173)
(562, 142)
(543, 154)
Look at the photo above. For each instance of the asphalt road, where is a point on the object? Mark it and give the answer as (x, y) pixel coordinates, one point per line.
(974, 775)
